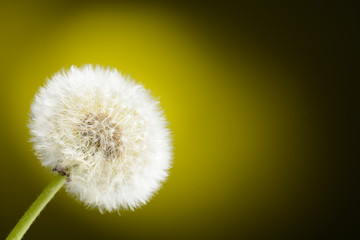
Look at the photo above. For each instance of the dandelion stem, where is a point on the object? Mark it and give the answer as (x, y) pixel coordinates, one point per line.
(38, 205)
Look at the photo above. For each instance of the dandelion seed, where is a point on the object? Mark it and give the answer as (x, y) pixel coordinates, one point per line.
(104, 131)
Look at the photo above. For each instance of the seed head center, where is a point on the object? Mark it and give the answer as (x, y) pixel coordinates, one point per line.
(100, 133)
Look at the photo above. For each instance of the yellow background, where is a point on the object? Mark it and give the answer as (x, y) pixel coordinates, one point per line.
(252, 159)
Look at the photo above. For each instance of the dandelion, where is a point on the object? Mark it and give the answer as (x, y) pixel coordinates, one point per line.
(104, 134)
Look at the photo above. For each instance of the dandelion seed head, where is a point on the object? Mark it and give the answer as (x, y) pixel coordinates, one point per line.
(107, 132)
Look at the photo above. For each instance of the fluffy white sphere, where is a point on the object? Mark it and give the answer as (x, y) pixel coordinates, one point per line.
(106, 132)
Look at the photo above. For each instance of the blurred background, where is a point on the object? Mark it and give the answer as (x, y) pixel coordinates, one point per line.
(258, 99)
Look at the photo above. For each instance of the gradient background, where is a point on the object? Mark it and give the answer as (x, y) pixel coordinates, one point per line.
(257, 96)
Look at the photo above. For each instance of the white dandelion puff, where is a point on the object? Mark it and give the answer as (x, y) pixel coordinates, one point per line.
(106, 132)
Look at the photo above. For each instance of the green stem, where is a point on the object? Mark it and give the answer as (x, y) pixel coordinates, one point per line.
(34, 210)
